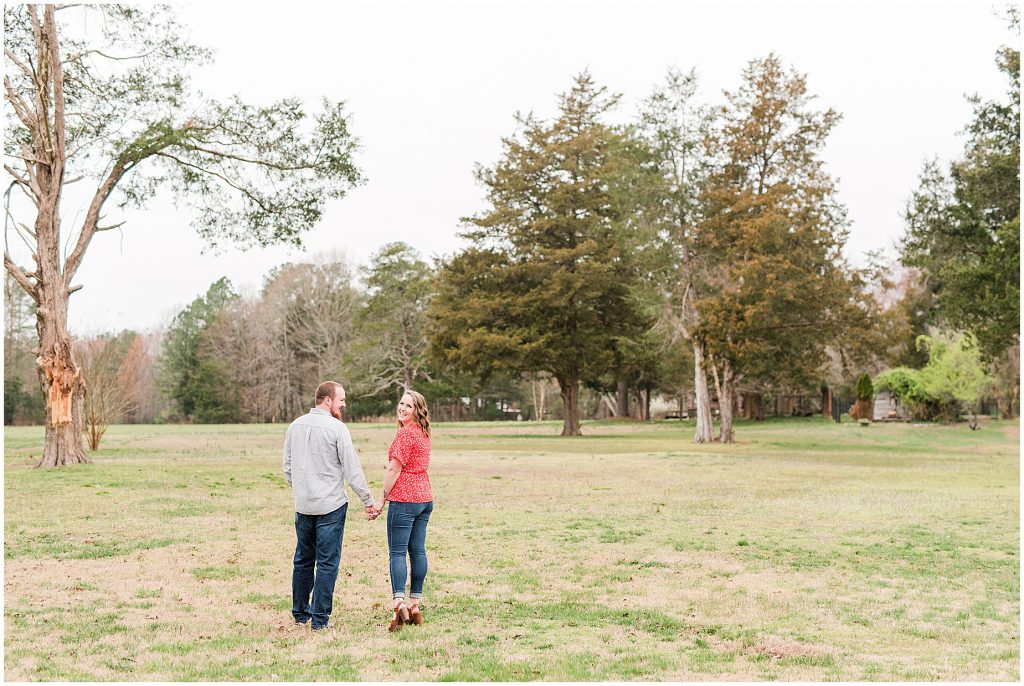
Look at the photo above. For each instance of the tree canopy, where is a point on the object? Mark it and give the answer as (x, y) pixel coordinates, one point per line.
(194, 380)
(773, 230)
(963, 227)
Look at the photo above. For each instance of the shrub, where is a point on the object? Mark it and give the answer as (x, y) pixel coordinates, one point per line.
(952, 378)
(865, 390)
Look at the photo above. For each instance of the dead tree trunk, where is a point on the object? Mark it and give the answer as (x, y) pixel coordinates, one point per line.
(59, 376)
(703, 400)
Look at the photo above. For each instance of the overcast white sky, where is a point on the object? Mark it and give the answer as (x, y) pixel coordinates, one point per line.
(433, 86)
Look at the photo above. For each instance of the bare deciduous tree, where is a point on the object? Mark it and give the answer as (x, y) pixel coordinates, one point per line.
(102, 93)
(675, 128)
(111, 368)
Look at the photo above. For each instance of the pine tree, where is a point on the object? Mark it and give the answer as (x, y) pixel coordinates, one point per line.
(963, 228)
(545, 286)
(773, 230)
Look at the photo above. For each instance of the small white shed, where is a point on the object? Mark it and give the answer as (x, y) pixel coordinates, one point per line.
(888, 407)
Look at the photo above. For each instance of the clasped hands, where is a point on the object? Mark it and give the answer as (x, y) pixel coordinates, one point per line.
(373, 511)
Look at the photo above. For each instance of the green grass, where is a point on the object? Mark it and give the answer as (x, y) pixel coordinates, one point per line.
(807, 551)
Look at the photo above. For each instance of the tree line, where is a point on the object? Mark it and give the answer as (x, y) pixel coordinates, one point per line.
(695, 251)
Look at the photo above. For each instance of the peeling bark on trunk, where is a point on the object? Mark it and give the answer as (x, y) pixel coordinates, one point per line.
(703, 400)
(49, 285)
(63, 389)
(726, 403)
(59, 376)
(569, 386)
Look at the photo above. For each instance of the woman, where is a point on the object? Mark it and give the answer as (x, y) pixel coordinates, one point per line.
(407, 488)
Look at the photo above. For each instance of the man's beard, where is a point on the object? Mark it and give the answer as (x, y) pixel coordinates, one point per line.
(339, 414)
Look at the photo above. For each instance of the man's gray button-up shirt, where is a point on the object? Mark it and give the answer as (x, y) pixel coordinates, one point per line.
(318, 459)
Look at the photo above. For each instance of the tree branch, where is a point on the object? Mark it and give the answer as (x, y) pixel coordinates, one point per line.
(21, 227)
(79, 56)
(21, 277)
(41, 129)
(248, 160)
(18, 178)
(89, 226)
(20, 106)
(223, 178)
(123, 164)
(9, 54)
(86, 142)
(58, 99)
(34, 192)
(34, 160)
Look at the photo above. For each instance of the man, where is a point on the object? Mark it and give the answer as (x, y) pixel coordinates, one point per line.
(318, 459)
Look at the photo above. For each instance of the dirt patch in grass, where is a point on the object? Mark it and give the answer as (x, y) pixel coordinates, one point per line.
(778, 647)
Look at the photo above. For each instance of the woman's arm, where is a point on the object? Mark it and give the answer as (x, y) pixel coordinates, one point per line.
(390, 477)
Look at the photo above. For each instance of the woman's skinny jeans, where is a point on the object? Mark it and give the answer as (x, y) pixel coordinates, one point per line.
(407, 534)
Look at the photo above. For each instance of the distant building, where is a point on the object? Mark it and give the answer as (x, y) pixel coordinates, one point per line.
(888, 407)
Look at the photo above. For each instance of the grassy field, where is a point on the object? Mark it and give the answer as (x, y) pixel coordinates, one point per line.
(807, 551)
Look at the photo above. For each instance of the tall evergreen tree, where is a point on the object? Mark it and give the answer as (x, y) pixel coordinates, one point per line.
(19, 368)
(963, 228)
(544, 288)
(390, 351)
(774, 230)
(194, 380)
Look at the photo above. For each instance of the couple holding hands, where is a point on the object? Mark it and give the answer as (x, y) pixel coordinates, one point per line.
(318, 459)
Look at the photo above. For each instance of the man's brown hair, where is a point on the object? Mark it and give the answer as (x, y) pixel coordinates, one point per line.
(328, 389)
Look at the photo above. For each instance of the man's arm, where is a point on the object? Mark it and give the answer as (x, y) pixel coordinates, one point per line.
(353, 470)
(287, 462)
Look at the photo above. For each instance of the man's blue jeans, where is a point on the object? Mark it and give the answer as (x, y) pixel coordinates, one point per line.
(407, 534)
(318, 544)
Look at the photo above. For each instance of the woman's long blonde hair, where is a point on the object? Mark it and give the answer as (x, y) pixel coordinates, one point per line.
(421, 415)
